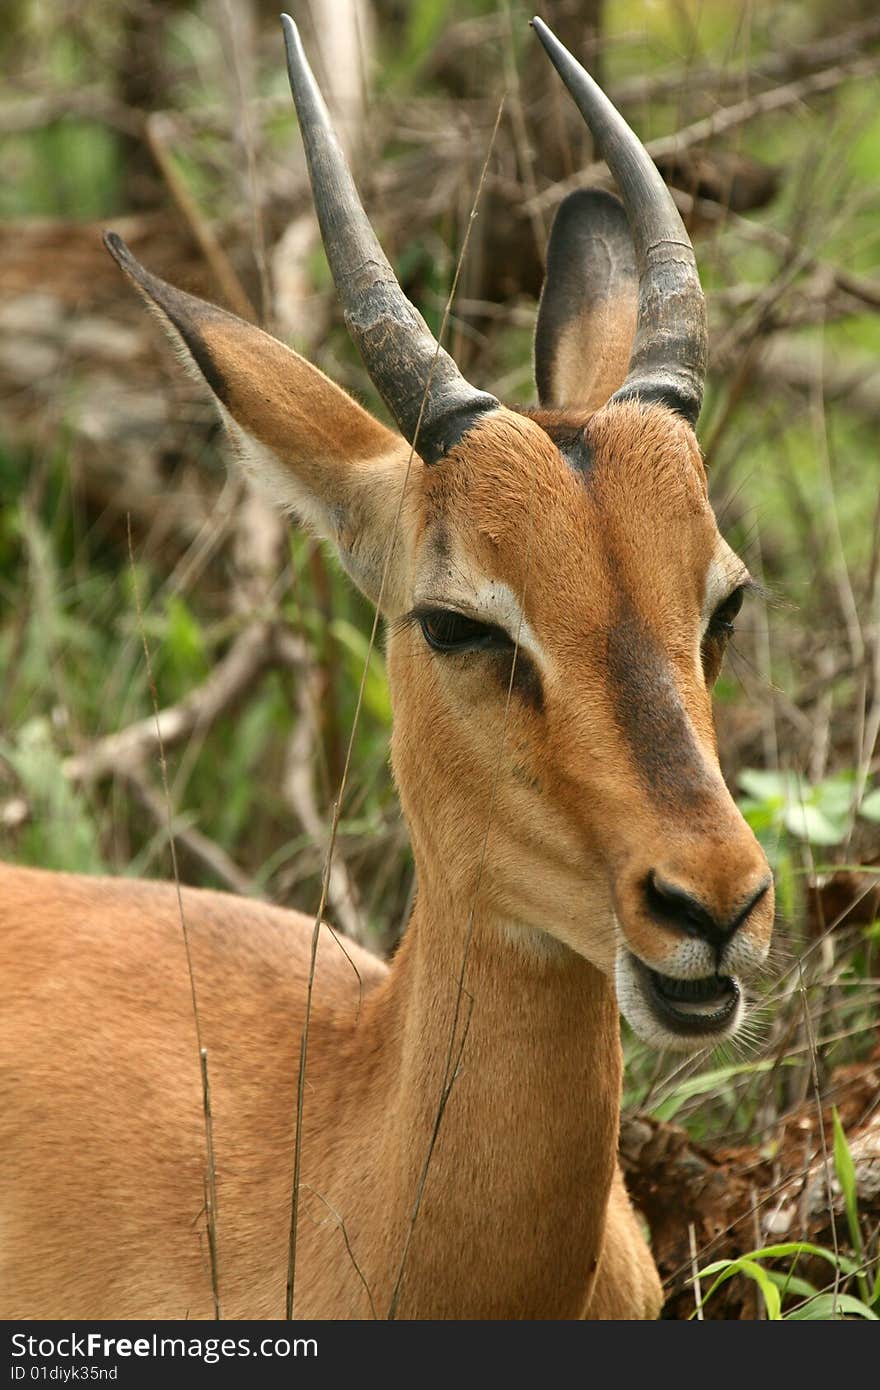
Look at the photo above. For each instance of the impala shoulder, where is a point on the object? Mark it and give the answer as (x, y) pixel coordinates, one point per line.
(140, 921)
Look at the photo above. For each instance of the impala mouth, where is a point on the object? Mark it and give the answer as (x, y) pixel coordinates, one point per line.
(669, 1011)
(706, 1005)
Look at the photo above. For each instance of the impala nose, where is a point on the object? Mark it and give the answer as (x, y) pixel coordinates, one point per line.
(674, 906)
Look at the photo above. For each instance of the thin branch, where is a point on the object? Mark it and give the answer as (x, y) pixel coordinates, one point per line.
(158, 129)
(776, 67)
(208, 853)
(719, 123)
(338, 1218)
(244, 664)
(695, 1272)
(859, 286)
(299, 793)
(27, 112)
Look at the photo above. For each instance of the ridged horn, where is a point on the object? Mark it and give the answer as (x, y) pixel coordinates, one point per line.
(399, 351)
(668, 361)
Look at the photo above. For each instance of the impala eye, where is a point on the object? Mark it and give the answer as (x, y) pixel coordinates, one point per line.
(722, 620)
(447, 631)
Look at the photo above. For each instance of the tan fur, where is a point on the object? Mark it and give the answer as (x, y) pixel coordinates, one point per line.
(535, 813)
(105, 1098)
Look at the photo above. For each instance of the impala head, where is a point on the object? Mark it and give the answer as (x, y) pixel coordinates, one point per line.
(558, 594)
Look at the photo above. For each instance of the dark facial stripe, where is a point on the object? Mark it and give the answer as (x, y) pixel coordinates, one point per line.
(527, 682)
(650, 715)
(568, 437)
(574, 449)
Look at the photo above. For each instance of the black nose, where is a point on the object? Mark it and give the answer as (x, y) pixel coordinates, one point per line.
(675, 907)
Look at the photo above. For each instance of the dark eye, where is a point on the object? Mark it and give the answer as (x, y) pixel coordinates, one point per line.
(446, 631)
(722, 620)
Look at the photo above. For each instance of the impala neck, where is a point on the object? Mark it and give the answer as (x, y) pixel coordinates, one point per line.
(524, 1062)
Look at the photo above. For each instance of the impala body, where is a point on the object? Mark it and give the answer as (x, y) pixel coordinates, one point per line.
(558, 599)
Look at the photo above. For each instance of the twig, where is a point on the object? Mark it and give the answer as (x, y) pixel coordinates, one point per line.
(524, 150)
(464, 1000)
(773, 67)
(210, 1182)
(695, 1272)
(27, 112)
(859, 286)
(157, 133)
(206, 851)
(231, 679)
(721, 121)
(337, 808)
(239, 25)
(340, 1223)
(787, 362)
(756, 1237)
(817, 1092)
(299, 793)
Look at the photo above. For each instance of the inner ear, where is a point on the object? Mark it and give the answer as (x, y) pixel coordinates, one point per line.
(587, 315)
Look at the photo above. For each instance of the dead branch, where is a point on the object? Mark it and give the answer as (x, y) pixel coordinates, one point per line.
(794, 365)
(204, 850)
(260, 545)
(726, 118)
(299, 793)
(773, 67)
(230, 680)
(861, 287)
(27, 112)
(158, 137)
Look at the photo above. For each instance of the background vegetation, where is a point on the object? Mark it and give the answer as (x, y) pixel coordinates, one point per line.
(171, 121)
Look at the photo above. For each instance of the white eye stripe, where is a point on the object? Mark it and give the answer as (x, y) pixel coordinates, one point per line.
(489, 601)
(725, 574)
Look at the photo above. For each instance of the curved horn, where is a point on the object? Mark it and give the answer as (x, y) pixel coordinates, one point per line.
(398, 348)
(668, 362)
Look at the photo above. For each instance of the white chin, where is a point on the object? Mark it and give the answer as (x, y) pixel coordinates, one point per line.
(650, 1004)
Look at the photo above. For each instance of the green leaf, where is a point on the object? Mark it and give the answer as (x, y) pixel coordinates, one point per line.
(765, 785)
(711, 1081)
(809, 823)
(834, 795)
(792, 1284)
(786, 1248)
(829, 1306)
(870, 807)
(846, 1176)
(184, 641)
(61, 833)
(786, 885)
(752, 1270)
(761, 815)
(376, 697)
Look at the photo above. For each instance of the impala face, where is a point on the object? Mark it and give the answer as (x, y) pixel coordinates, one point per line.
(558, 592)
(570, 610)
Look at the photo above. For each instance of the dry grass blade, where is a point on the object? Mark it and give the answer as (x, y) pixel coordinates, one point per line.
(210, 1166)
(158, 137)
(337, 808)
(695, 1273)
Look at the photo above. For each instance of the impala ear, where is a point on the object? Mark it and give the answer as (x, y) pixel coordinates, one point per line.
(311, 448)
(589, 303)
